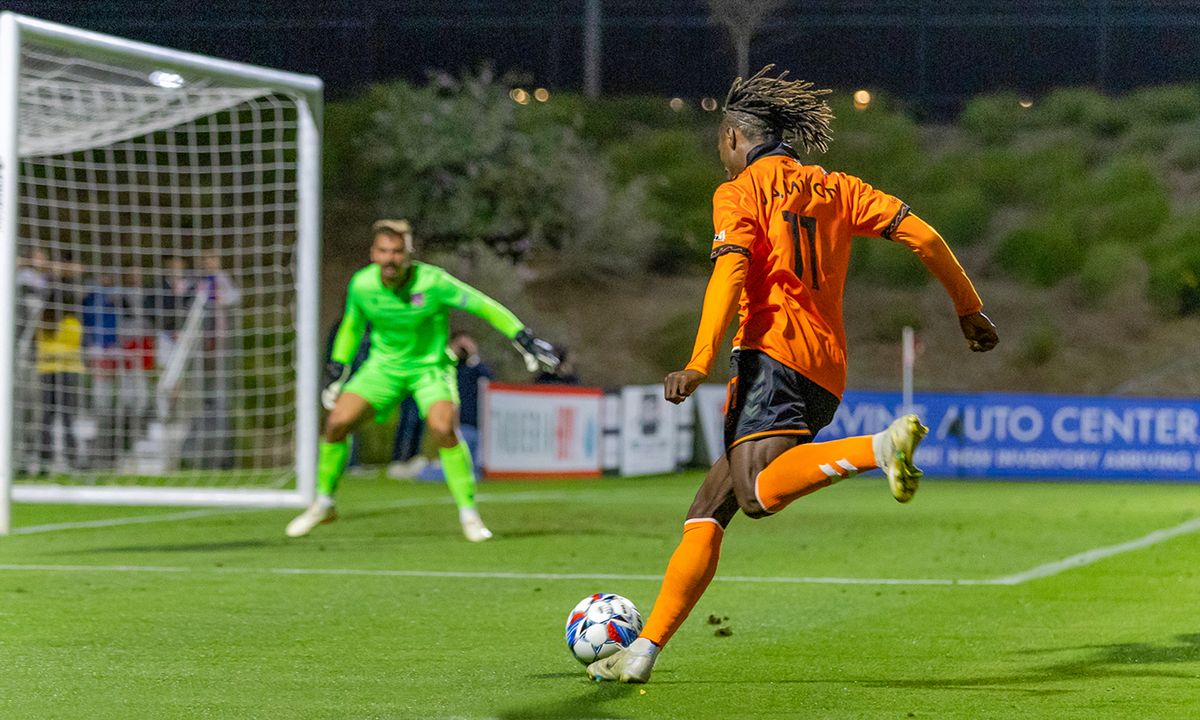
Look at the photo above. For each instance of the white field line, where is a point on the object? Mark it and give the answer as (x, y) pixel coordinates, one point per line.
(1040, 571)
(1090, 556)
(518, 497)
(113, 522)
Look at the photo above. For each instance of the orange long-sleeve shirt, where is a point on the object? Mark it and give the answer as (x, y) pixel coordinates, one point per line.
(782, 250)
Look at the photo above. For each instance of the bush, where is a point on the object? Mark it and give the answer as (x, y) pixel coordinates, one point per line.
(995, 119)
(961, 215)
(1127, 203)
(885, 263)
(466, 164)
(1107, 267)
(1040, 177)
(1174, 258)
(949, 171)
(1041, 254)
(1082, 108)
(878, 145)
(1163, 103)
(1038, 345)
(1184, 152)
(1147, 138)
(679, 172)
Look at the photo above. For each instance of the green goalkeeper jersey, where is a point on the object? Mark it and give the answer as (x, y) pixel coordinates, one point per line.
(410, 326)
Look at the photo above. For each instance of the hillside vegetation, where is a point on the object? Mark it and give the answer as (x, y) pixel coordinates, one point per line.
(1078, 218)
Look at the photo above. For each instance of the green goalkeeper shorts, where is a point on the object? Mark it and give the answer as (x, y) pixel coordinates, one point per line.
(384, 387)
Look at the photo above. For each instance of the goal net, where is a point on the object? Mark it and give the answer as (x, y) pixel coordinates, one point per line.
(159, 221)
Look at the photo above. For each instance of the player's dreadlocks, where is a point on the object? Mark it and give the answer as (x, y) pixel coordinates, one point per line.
(775, 107)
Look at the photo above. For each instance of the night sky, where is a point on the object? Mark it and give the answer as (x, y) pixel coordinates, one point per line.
(931, 54)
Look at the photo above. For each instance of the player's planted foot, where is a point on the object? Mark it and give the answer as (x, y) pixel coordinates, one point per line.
(894, 451)
(321, 511)
(628, 665)
(472, 525)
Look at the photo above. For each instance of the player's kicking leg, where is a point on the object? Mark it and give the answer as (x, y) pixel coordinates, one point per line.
(457, 465)
(348, 413)
(763, 477)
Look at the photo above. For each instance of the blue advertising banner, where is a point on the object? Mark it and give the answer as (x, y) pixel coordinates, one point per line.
(1016, 435)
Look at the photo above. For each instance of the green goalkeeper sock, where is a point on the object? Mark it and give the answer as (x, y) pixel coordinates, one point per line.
(330, 466)
(460, 474)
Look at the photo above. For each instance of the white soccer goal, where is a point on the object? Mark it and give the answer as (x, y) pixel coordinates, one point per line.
(159, 254)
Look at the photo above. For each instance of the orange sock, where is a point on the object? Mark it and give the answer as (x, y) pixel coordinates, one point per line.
(807, 468)
(691, 568)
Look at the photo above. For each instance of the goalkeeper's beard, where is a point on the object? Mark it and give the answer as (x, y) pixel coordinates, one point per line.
(394, 274)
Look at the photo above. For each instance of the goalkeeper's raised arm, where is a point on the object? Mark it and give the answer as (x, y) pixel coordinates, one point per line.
(536, 352)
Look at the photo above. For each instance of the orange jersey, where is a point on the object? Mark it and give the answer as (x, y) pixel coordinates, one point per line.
(794, 223)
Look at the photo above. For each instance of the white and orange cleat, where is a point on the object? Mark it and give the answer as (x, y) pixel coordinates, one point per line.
(894, 451)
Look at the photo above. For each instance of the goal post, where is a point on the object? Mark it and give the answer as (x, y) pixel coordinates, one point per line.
(142, 190)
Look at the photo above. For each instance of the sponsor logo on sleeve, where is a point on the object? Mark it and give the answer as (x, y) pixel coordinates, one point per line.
(719, 237)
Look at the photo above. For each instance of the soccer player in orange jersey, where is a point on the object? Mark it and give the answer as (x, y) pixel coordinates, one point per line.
(781, 252)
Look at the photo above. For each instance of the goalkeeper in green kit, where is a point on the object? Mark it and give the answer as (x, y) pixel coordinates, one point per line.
(407, 304)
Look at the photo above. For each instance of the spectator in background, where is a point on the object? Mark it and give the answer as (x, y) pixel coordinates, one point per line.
(102, 308)
(223, 294)
(137, 329)
(564, 374)
(33, 284)
(170, 302)
(214, 428)
(59, 343)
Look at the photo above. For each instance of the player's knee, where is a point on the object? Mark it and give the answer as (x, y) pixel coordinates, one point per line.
(337, 427)
(751, 508)
(442, 432)
(747, 501)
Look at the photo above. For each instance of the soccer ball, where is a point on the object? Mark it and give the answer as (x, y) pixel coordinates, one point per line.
(600, 625)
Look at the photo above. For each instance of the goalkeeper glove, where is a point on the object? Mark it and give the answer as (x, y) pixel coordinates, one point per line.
(535, 351)
(337, 374)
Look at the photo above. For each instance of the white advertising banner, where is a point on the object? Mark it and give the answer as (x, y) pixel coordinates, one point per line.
(649, 429)
(540, 431)
(710, 404)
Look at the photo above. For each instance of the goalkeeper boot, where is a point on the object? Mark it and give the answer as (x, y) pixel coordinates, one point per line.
(472, 525)
(320, 512)
(628, 665)
(894, 450)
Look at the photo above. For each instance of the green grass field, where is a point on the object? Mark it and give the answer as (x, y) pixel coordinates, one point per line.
(845, 606)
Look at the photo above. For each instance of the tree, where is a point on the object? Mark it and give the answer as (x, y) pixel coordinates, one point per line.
(742, 18)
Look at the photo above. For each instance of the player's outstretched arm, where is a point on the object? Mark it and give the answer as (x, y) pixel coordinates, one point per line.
(720, 299)
(937, 256)
(536, 352)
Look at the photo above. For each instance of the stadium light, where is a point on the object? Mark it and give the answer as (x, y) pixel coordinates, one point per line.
(709, 104)
(862, 99)
(519, 96)
(1025, 103)
(676, 104)
(541, 94)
